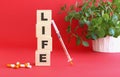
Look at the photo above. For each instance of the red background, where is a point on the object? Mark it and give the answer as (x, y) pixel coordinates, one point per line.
(18, 19)
(18, 43)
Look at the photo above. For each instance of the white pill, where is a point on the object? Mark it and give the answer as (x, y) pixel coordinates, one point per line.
(22, 65)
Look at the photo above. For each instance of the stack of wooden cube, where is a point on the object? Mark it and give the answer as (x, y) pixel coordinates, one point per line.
(44, 39)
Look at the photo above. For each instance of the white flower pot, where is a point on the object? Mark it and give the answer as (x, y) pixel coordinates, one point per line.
(108, 44)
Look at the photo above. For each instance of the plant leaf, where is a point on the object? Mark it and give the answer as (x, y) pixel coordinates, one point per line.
(94, 36)
(114, 17)
(84, 6)
(87, 14)
(85, 43)
(63, 7)
(81, 22)
(68, 29)
(67, 18)
(72, 7)
(100, 33)
(78, 40)
(102, 12)
(87, 22)
(106, 17)
(111, 31)
(99, 20)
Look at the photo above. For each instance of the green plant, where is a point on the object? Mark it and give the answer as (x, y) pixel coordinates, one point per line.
(101, 17)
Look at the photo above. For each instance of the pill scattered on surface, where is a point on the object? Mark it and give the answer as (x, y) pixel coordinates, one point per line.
(11, 65)
(19, 65)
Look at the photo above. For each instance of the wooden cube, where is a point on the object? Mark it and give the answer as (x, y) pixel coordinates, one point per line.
(44, 43)
(44, 16)
(43, 29)
(42, 58)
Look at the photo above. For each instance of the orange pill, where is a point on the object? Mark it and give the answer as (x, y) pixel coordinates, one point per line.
(27, 64)
(16, 67)
(11, 65)
(18, 63)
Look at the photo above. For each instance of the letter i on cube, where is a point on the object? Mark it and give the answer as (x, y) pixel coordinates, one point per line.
(44, 39)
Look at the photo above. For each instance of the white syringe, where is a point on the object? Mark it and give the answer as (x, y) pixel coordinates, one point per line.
(62, 43)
